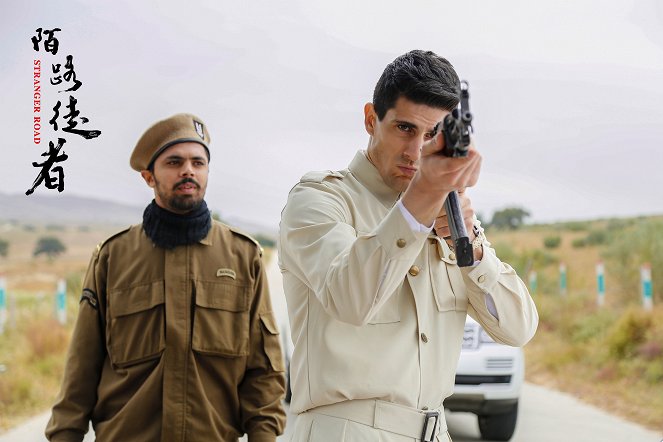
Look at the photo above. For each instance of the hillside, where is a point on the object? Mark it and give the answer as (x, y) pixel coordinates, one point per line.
(72, 210)
(66, 209)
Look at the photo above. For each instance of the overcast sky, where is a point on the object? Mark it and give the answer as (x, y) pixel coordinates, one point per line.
(567, 95)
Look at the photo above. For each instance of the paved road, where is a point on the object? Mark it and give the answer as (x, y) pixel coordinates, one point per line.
(551, 416)
(545, 415)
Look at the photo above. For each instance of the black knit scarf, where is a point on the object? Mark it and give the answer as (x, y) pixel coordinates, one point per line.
(169, 230)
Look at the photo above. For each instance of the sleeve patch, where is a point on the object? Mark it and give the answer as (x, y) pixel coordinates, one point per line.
(91, 297)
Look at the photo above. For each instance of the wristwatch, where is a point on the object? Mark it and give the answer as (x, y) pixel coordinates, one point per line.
(480, 238)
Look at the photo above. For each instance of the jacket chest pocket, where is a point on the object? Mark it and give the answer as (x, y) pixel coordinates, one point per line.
(221, 319)
(136, 327)
(447, 281)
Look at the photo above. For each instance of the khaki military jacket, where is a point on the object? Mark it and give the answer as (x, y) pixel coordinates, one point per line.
(173, 345)
(377, 310)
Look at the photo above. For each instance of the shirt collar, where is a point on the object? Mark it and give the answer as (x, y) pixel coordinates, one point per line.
(367, 174)
(208, 239)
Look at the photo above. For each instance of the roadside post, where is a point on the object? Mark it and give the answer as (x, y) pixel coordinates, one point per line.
(3, 304)
(647, 292)
(600, 283)
(562, 279)
(60, 304)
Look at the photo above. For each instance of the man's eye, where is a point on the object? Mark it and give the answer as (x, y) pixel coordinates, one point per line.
(428, 135)
(405, 128)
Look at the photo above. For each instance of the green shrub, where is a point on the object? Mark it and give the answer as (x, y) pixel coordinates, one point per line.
(654, 372)
(552, 242)
(628, 334)
(50, 246)
(592, 327)
(578, 243)
(596, 237)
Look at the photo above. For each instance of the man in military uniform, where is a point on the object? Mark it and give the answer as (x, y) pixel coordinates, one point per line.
(377, 302)
(175, 338)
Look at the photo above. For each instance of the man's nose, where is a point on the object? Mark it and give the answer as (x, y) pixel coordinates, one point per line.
(413, 150)
(187, 169)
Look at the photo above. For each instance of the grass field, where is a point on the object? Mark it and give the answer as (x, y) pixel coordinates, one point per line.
(33, 344)
(610, 356)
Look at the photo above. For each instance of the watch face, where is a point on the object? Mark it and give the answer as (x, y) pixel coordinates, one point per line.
(479, 239)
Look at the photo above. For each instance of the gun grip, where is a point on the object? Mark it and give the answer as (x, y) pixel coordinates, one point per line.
(464, 252)
(459, 236)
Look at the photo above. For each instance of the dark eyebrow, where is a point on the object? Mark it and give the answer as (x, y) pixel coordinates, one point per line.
(179, 157)
(173, 157)
(405, 123)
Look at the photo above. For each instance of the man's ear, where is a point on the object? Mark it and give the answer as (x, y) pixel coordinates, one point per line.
(370, 118)
(148, 177)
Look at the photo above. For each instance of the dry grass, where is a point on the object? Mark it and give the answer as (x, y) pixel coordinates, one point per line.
(611, 357)
(32, 355)
(33, 346)
(619, 386)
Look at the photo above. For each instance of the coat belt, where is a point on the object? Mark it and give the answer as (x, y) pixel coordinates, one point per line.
(395, 418)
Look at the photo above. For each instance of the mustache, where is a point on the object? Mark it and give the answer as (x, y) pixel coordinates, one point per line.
(184, 181)
(408, 162)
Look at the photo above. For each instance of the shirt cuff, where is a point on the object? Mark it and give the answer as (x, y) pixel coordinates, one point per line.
(490, 305)
(415, 225)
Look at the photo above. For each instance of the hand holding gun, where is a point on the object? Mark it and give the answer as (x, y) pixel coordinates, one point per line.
(457, 127)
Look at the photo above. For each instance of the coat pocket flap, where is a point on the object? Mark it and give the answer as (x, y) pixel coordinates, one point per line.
(136, 299)
(222, 296)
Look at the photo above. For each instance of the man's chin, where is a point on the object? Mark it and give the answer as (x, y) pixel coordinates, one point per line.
(400, 184)
(183, 204)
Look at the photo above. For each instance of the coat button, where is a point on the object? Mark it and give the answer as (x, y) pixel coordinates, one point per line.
(401, 243)
(482, 278)
(424, 337)
(452, 256)
(414, 270)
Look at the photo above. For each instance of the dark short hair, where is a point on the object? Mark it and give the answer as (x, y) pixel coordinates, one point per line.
(422, 77)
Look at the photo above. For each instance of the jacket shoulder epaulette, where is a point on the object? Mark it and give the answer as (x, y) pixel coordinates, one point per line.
(244, 235)
(110, 238)
(320, 175)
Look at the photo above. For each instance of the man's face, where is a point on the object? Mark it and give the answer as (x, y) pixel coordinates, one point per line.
(179, 177)
(395, 144)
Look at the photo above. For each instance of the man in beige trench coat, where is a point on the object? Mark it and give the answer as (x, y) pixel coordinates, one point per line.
(377, 302)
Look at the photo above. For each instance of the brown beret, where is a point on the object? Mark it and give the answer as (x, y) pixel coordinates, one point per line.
(180, 128)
